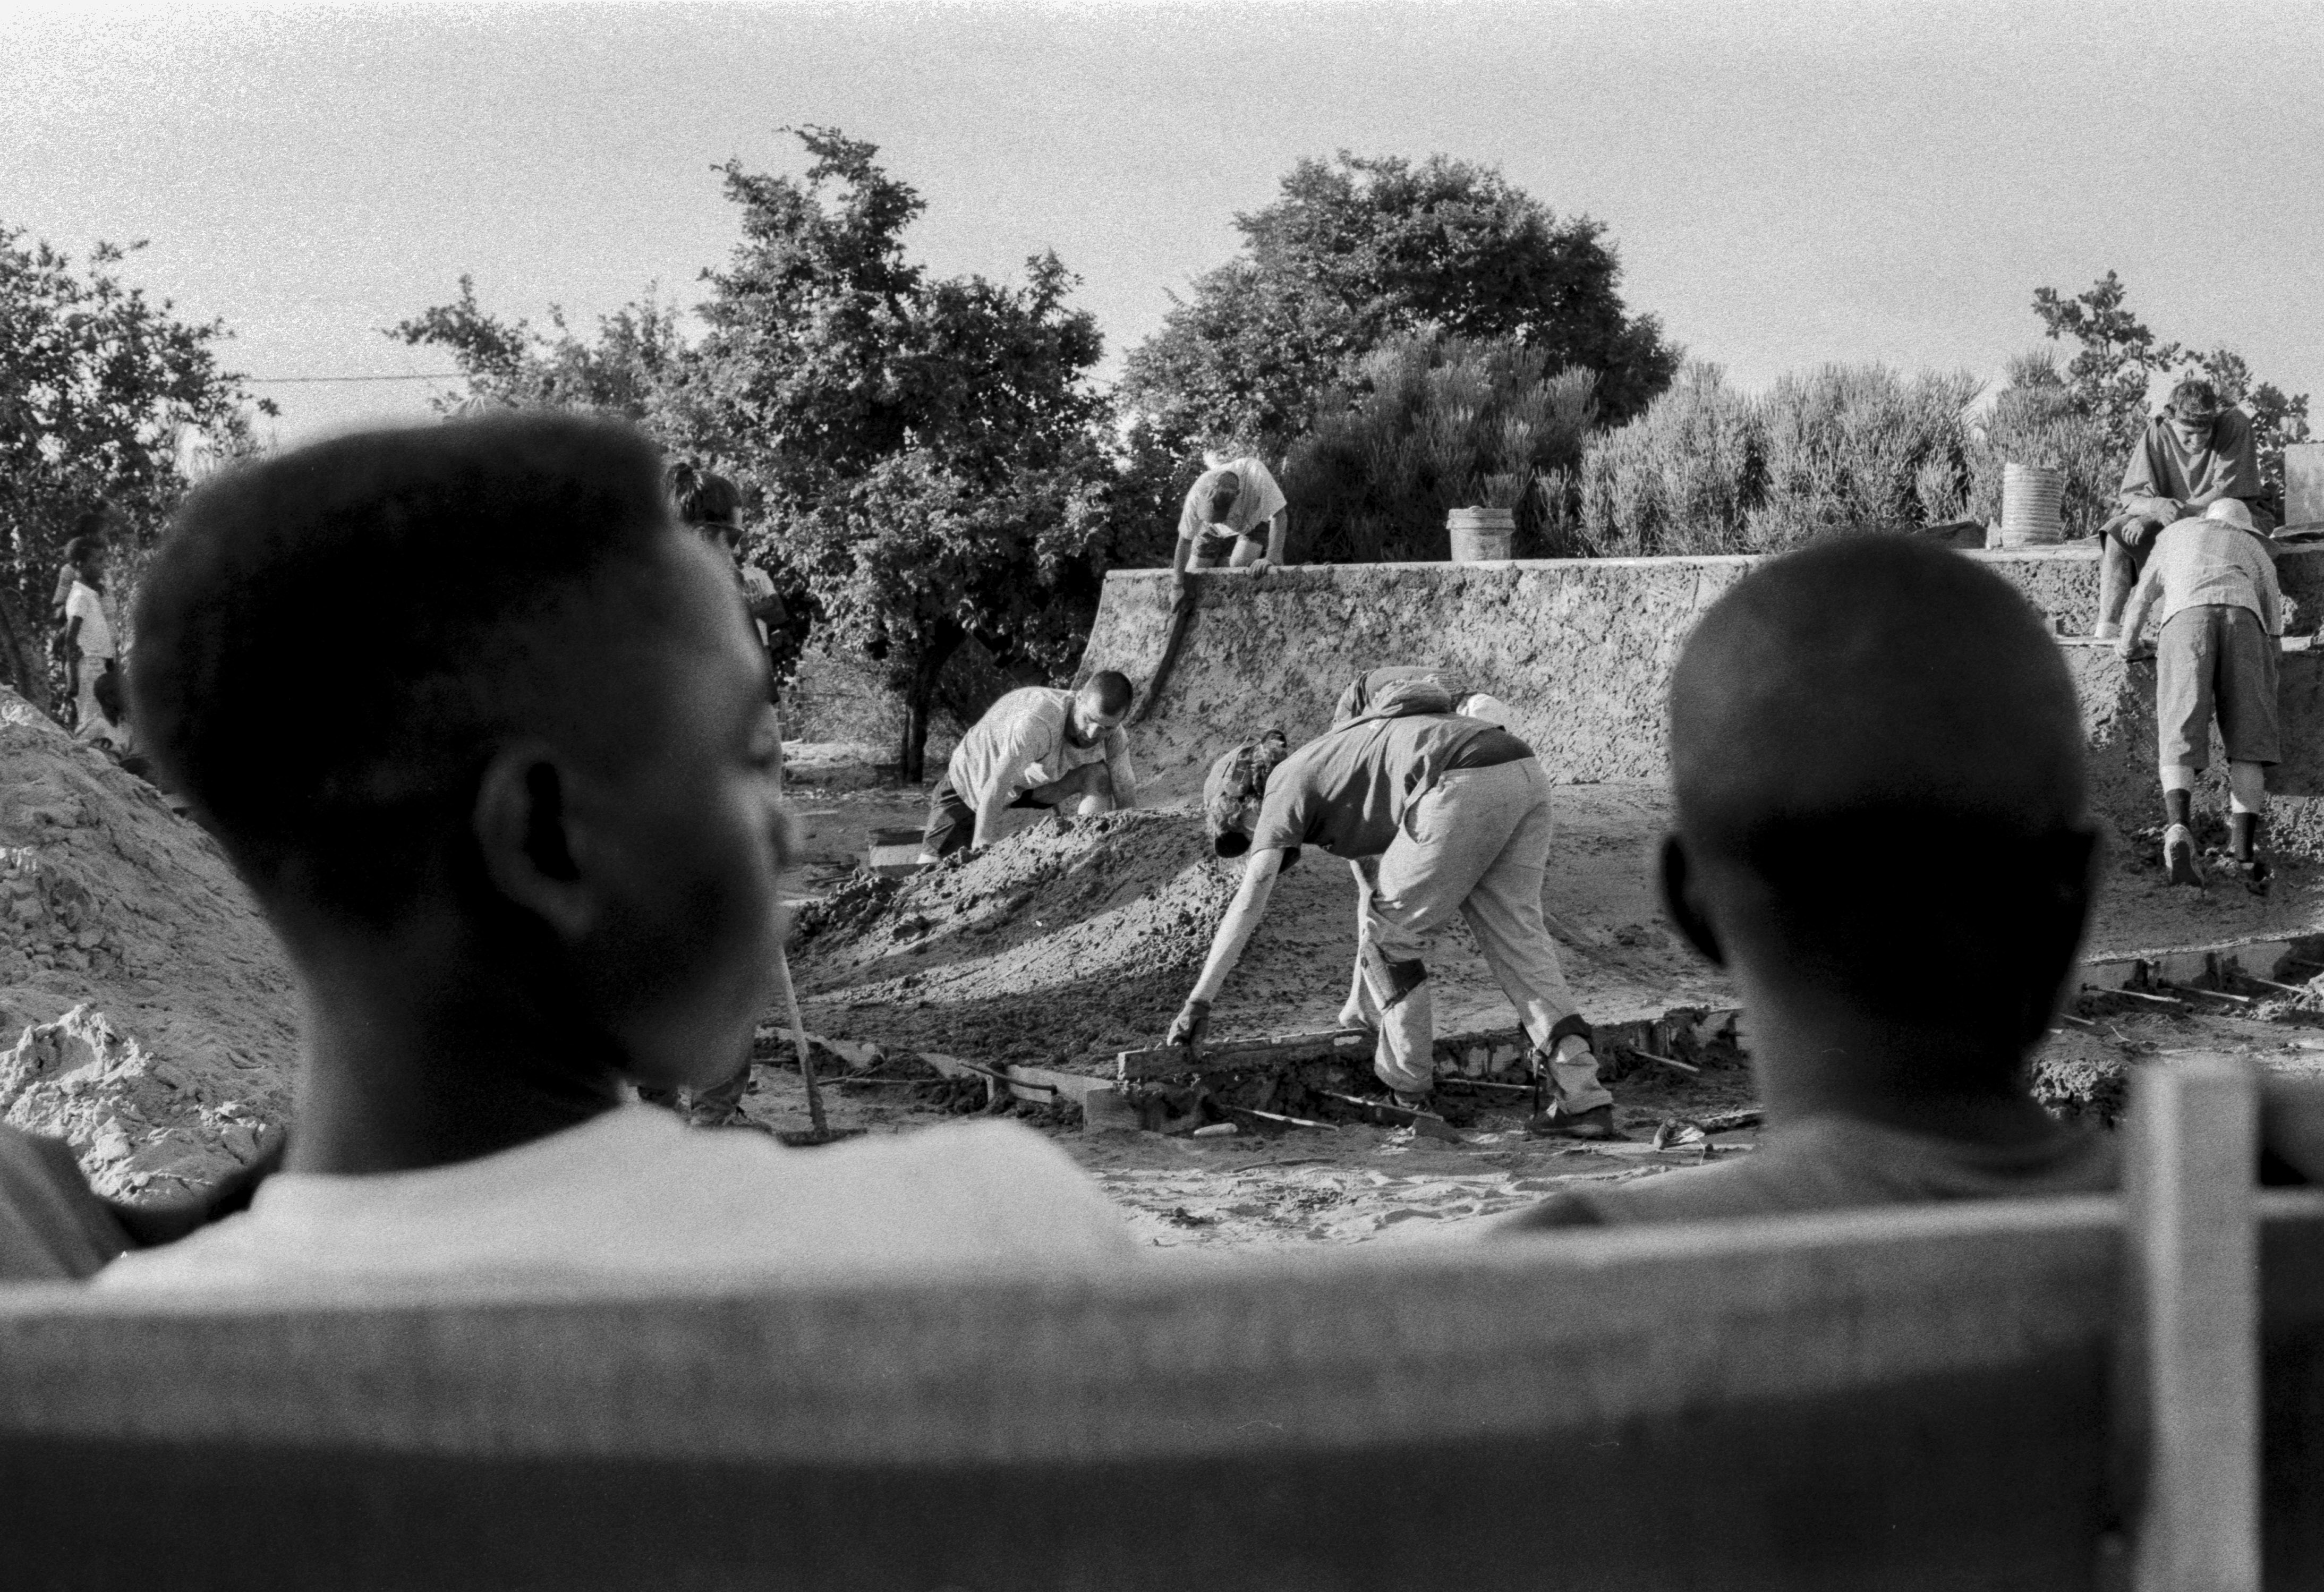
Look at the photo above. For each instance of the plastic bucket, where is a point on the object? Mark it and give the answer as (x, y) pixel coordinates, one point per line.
(1480, 535)
(2032, 496)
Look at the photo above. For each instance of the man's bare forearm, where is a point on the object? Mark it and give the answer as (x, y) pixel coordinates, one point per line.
(989, 808)
(1241, 921)
(1275, 527)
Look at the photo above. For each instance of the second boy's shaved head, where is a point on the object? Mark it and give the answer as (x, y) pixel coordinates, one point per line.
(1876, 756)
(1873, 673)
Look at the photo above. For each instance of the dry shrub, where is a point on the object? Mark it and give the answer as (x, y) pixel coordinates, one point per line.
(1434, 423)
(2037, 420)
(1709, 469)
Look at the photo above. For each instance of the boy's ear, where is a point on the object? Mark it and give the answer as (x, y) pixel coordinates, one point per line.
(1675, 874)
(520, 825)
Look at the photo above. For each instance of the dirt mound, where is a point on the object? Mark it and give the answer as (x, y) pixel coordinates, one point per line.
(1074, 936)
(146, 1013)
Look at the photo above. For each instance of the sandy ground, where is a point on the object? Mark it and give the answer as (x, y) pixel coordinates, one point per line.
(1357, 1182)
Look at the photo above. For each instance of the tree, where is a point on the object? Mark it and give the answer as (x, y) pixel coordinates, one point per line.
(929, 452)
(105, 398)
(507, 364)
(1361, 250)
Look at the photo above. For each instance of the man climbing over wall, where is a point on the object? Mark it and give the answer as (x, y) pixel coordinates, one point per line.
(1037, 747)
(1232, 506)
(1456, 811)
(2193, 455)
(1229, 507)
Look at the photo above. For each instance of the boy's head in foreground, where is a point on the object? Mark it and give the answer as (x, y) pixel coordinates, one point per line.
(1877, 757)
(487, 734)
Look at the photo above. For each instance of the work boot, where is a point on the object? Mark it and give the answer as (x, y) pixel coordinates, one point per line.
(1562, 1122)
(2178, 856)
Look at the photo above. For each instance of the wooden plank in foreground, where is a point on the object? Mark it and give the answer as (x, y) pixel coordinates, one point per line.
(1177, 1061)
(2194, 1345)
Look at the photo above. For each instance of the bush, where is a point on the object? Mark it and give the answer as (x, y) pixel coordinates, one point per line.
(2037, 420)
(1435, 423)
(1708, 469)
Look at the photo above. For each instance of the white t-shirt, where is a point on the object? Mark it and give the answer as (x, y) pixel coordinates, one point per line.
(1259, 501)
(637, 1193)
(1021, 742)
(83, 603)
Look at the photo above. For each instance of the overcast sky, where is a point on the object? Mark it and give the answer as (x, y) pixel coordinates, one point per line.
(1788, 184)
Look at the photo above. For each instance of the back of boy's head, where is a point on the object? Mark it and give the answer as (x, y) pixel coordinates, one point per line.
(333, 643)
(1882, 736)
(106, 689)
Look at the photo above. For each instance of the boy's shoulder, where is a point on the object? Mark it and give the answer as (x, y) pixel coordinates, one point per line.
(637, 1193)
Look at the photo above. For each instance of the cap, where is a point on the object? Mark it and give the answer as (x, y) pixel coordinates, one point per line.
(1235, 777)
(2232, 512)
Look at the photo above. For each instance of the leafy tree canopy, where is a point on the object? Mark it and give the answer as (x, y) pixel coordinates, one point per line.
(1361, 250)
(926, 457)
(107, 401)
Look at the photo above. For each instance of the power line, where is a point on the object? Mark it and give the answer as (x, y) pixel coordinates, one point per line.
(414, 376)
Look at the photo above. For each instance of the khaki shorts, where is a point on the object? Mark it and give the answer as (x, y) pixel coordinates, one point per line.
(2216, 660)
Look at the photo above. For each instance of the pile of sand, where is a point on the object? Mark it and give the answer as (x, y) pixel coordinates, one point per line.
(146, 1009)
(1073, 938)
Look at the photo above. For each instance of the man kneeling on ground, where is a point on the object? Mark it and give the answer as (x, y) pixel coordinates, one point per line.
(523, 853)
(1877, 757)
(1457, 811)
(1038, 748)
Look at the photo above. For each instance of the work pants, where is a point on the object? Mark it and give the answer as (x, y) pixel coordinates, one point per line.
(1477, 844)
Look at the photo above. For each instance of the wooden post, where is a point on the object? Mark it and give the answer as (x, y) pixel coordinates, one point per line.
(2192, 1273)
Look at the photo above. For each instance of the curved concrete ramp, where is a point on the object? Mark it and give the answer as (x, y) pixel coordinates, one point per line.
(1582, 651)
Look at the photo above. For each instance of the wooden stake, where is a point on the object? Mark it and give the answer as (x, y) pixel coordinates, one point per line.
(2192, 1278)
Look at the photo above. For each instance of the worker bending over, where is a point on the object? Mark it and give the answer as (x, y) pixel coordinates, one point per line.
(1037, 747)
(1468, 703)
(1230, 506)
(2213, 582)
(1457, 811)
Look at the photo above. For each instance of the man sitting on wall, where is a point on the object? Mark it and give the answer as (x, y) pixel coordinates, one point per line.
(2193, 455)
(524, 855)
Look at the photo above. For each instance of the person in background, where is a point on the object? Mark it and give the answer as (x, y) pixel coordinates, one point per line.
(88, 639)
(2211, 584)
(1232, 505)
(713, 505)
(2194, 453)
(1037, 747)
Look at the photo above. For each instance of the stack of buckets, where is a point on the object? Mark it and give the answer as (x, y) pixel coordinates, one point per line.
(2031, 498)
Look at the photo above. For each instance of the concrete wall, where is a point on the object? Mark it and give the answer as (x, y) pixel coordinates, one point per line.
(1582, 651)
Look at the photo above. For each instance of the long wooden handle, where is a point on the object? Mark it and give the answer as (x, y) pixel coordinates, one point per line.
(799, 1042)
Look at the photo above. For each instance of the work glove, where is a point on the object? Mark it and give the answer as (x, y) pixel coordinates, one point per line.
(1192, 1021)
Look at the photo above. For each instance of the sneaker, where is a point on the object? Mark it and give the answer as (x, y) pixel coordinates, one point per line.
(1415, 1102)
(1558, 1122)
(2256, 874)
(2178, 856)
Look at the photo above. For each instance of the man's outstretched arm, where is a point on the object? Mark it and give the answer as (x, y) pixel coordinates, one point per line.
(1234, 932)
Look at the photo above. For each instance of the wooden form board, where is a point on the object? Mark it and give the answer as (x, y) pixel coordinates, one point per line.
(1915, 1398)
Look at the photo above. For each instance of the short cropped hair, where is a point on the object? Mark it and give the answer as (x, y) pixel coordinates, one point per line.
(1112, 691)
(106, 689)
(2194, 397)
(332, 642)
(704, 497)
(78, 549)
